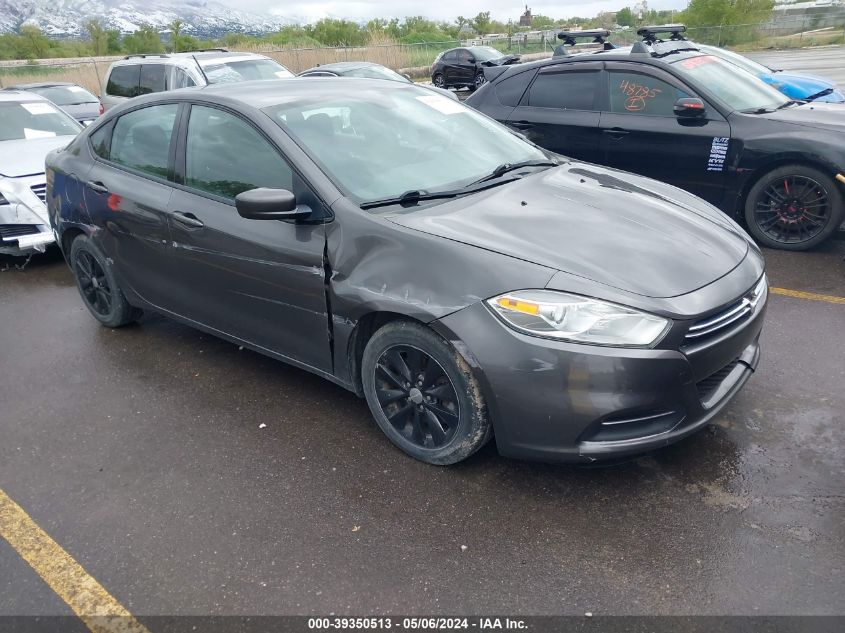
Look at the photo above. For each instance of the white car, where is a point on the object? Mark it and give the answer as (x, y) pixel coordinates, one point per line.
(137, 75)
(30, 128)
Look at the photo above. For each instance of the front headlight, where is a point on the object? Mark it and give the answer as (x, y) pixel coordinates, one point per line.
(569, 317)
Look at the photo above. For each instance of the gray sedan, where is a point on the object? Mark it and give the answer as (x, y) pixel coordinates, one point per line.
(572, 311)
(73, 99)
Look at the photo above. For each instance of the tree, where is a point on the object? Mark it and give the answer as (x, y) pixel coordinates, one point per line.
(145, 40)
(542, 22)
(113, 44)
(625, 17)
(334, 32)
(35, 44)
(481, 23)
(98, 36)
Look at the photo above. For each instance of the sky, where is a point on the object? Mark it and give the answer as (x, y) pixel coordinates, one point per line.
(502, 10)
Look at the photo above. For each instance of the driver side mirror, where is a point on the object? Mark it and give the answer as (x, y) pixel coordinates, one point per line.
(690, 108)
(270, 204)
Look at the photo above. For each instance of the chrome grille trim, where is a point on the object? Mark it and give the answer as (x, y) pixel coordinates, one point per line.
(40, 191)
(746, 306)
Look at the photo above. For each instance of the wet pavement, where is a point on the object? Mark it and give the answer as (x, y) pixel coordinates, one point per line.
(139, 451)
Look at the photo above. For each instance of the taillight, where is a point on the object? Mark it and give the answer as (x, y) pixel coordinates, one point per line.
(102, 109)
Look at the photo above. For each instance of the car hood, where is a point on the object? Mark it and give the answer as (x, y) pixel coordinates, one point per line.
(799, 86)
(26, 156)
(614, 228)
(505, 60)
(819, 115)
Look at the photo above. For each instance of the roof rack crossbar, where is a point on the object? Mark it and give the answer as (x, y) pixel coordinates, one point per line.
(142, 55)
(599, 36)
(650, 33)
(211, 50)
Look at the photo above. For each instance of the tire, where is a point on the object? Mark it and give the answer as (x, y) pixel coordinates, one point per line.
(97, 285)
(478, 81)
(441, 421)
(438, 81)
(794, 207)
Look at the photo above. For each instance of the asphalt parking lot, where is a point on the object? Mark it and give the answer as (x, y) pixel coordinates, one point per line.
(188, 476)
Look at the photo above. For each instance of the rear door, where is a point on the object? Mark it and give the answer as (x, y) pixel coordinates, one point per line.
(127, 193)
(464, 67)
(450, 71)
(640, 132)
(261, 281)
(559, 111)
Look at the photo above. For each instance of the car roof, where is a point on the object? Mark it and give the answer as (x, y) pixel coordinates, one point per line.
(340, 66)
(20, 95)
(188, 58)
(40, 84)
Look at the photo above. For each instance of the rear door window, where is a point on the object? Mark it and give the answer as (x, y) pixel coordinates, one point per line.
(510, 90)
(568, 90)
(141, 139)
(152, 79)
(123, 81)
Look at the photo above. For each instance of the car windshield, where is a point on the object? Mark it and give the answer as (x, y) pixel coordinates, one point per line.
(375, 72)
(34, 119)
(378, 144)
(748, 65)
(485, 53)
(734, 86)
(65, 95)
(245, 70)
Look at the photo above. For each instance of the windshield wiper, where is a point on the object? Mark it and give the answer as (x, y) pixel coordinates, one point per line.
(410, 197)
(789, 103)
(758, 111)
(504, 168)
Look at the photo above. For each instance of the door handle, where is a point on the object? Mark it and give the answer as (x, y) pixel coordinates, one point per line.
(188, 219)
(521, 125)
(97, 187)
(616, 133)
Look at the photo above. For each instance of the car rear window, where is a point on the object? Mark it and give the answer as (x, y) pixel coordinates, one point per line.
(123, 81)
(65, 95)
(511, 89)
(152, 79)
(570, 90)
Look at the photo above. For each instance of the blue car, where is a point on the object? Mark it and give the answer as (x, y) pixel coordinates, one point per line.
(794, 86)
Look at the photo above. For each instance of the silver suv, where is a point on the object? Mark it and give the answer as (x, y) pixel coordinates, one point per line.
(143, 74)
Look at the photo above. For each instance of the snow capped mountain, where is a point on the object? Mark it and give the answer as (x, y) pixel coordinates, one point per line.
(201, 18)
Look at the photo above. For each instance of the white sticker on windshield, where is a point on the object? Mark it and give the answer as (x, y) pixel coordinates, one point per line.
(75, 88)
(39, 108)
(283, 74)
(442, 104)
(30, 133)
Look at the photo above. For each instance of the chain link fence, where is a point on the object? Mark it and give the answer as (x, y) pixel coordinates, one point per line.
(787, 30)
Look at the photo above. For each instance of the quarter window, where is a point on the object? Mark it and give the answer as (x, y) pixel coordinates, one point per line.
(510, 90)
(123, 81)
(141, 139)
(226, 156)
(570, 90)
(636, 93)
(100, 142)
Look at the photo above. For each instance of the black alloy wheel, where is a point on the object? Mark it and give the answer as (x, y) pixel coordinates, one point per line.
(423, 394)
(417, 397)
(794, 208)
(93, 284)
(438, 81)
(479, 80)
(98, 286)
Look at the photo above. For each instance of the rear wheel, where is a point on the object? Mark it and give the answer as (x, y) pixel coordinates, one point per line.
(97, 285)
(478, 81)
(438, 81)
(423, 394)
(794, 207)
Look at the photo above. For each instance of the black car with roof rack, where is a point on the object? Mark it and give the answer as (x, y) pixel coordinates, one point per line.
(664, 109)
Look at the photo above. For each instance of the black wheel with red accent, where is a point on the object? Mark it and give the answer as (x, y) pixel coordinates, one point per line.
(423, 394)
(794, 207)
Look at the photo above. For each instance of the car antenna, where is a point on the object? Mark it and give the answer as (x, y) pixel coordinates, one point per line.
(202, 72)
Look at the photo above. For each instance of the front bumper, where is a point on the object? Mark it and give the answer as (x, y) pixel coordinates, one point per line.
(563, 402)
(24, 222)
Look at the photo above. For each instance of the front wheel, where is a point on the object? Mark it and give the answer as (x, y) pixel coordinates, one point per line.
(794, 207)
(423, 394)
(438, 81)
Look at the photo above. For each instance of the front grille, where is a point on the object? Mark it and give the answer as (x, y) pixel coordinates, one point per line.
(40, 191)
(731, 316)
(11, 232)
(708, 386)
